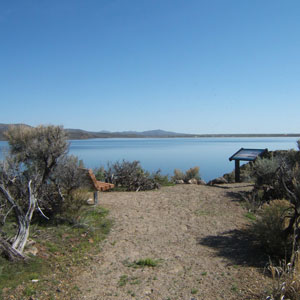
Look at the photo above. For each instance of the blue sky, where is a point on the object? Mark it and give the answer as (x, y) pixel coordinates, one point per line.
(193, 66)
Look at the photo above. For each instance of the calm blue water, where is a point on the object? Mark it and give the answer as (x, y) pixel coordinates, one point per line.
(210, 154)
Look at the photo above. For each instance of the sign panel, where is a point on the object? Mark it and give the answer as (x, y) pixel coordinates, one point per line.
(247, 154)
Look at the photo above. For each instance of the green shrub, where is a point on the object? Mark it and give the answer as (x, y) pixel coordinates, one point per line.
(100, 173)
(147, 262)
(162, 180)
(268, 228)
(71, 207)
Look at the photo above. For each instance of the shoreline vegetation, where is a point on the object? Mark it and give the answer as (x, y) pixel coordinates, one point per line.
(79, 134)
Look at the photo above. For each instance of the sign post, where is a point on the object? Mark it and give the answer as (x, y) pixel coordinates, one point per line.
(237, 171)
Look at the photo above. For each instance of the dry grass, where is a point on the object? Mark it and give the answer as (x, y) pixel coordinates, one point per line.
(286, 282)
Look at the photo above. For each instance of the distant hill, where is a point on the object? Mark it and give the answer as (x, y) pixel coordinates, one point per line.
(79, 134)
(5, 127)
(154, 133)
(82, 134)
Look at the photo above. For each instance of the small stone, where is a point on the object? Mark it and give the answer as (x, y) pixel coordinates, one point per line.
(148, 292)
(201, 182)
(219, 180)
(32, 250)
(179, 181)
(193, 181)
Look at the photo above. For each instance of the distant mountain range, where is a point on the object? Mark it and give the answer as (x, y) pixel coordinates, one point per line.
(78, 134)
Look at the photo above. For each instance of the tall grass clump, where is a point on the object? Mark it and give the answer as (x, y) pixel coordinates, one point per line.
(286, 282)
(192, 173)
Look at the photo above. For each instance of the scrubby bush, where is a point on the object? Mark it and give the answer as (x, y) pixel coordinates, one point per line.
(265, 170)
(192, 173)
(60, 193)
(278, 177)
(36, 178)
(162, 180)
(71, 207)
(269, 228)
(130, 176)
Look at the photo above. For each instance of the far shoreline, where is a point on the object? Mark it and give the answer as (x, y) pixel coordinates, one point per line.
(191, 136)
(74, 138)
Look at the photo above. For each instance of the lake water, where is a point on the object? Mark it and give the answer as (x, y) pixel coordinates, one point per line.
(210, 154)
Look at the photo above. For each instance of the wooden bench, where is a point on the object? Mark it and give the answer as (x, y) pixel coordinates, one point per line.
(99, 186)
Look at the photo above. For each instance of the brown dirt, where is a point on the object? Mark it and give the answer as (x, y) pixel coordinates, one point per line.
(195, 234)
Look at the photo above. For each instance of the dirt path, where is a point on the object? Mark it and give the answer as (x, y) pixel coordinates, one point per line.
(192, 231)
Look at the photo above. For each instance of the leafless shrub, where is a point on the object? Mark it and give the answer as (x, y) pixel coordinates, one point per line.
(130, 176)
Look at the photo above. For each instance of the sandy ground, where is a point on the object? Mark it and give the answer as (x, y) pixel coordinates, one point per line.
(192, 231)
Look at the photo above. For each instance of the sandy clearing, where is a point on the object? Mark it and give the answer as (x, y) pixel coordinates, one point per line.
(192, 230)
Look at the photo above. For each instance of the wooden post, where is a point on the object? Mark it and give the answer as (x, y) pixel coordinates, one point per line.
(237, 171)
(96, 197)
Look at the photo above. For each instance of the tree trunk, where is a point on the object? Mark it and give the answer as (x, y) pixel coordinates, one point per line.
(10, 252)
(17, 248)
(24, 223)
(22, 234)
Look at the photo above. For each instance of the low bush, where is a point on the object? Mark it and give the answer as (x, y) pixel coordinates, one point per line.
(162, 180)
(265, 170)
(71, 208)
(268, 229)
(130, 176)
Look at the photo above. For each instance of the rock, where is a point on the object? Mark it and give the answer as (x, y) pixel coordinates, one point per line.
(90, 201)
(193, 181)
(219, 180)
(148, 291)
(30, 242)
(179, 181)
(32, 250)
(201, 182)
